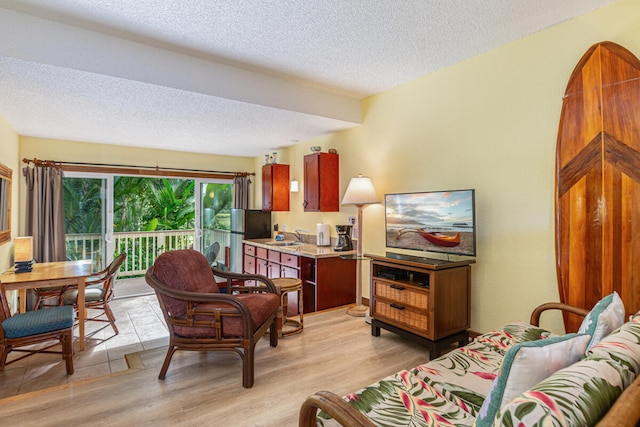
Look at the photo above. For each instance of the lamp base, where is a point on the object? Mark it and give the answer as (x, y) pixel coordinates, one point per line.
(357, 310)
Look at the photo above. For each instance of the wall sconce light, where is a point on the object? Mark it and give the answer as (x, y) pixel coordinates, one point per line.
(294, 182)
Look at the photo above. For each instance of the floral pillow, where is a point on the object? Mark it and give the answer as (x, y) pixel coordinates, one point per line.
(621, 346)
(605, 317)
(582, 393)
(525, 365)
(579, 395)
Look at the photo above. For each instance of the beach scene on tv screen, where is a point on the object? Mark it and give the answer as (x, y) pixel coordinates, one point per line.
(434, 221)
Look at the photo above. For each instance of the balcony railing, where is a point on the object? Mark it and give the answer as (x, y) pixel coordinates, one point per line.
(142, 248)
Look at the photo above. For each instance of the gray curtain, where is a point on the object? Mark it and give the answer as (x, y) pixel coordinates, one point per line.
(45, 212)
(241, 191)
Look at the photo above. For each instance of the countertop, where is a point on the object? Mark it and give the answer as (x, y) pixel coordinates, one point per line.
(306, 249)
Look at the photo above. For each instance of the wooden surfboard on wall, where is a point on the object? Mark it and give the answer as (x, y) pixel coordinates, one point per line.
(598, 181)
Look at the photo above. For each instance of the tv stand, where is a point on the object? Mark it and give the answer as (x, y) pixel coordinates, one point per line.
(424, 299)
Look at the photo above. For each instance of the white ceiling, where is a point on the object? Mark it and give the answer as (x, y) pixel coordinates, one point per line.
(234, 77)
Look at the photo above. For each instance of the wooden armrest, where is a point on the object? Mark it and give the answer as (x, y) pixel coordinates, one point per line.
(230, 276)
(535, 316)
(333, 405)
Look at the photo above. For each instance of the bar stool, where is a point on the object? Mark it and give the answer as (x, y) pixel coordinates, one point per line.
(286, 285)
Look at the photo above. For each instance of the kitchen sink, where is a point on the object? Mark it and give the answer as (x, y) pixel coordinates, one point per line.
(284, 243)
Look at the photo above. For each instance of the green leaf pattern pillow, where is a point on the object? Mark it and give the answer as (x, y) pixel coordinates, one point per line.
(582, 393)
(578, 395)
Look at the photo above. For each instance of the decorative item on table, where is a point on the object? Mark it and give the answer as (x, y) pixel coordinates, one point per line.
(332, 151)
(266, 159)
(274, 158)
(23, 254)
(316, 148)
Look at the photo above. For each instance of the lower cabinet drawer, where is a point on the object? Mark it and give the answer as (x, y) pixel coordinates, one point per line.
(401, 314)
(249, 265)
(290, 260)
(261, 253)
(402, 294)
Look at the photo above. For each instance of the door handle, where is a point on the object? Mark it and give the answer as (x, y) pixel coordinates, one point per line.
(397, 306)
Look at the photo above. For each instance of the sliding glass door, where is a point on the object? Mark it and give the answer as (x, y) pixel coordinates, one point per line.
(213, 213)
(144, 216)
(89, 218)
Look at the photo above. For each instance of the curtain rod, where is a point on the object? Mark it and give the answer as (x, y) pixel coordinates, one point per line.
(39, 162)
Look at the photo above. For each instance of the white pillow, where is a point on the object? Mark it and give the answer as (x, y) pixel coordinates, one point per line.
(605, 317)
(525, 365)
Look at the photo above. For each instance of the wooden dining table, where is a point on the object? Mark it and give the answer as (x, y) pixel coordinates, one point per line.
(50, 274)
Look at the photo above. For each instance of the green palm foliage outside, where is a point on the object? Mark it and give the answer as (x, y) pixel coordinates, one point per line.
(171, 203)
(82, 205)
(140, 204)
(216, 205)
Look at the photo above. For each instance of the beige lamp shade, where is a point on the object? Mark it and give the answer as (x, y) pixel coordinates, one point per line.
(23, 249)
(360, 192)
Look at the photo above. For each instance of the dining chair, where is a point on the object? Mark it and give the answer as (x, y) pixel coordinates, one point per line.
(212, 253)
(36, 327)
(98, 292)
(50, 293)
(201, 318)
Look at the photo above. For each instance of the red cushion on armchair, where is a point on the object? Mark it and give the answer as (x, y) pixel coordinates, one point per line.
(185, 270)
(260, 305)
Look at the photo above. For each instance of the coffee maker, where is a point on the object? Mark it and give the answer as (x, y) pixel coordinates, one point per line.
(344, 238)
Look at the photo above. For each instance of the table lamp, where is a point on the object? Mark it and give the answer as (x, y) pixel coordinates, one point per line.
(360, 192)
(23, 253)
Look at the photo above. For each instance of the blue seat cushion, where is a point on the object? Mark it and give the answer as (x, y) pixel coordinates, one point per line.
(38, 322)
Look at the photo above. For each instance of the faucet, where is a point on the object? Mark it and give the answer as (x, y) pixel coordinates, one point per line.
(298, 235)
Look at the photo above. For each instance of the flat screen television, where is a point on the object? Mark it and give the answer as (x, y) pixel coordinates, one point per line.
(432, 221)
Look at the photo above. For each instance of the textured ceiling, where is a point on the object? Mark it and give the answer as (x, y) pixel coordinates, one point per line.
(234, 77)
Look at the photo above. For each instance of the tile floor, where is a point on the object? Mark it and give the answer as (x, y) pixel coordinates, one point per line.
(141, 327)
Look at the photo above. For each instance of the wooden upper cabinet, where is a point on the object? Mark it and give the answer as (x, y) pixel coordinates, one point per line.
(321, 182)
(275, 187)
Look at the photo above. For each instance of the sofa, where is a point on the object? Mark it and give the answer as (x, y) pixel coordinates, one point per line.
(517, 375)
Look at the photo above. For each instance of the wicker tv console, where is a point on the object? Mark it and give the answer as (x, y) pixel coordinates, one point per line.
(424, 299)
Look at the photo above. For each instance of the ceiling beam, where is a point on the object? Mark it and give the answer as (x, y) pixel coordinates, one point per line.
(43, 41)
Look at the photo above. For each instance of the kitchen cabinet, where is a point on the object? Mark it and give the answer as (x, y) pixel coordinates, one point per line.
(275, 187)
(327, 281)
(321, 182)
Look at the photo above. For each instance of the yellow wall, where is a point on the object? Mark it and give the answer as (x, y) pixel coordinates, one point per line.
(488, 123)
(9, 157)
(49, 149)
(68, 151)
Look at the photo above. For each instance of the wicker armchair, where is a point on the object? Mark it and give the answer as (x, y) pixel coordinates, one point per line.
(200, 318)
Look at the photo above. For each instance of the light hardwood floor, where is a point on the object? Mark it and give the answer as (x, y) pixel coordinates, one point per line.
(334, 352)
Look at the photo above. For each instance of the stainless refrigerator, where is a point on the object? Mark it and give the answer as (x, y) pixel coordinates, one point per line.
(246, 224)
